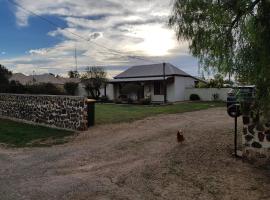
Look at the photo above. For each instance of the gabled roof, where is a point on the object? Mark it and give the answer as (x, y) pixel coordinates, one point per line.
(154, 70)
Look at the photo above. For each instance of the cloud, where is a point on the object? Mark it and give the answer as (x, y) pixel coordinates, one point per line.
(94, 36)
(111, 33)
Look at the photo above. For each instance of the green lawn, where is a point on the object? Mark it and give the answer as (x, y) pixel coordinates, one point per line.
(115, 113)
(24, 135)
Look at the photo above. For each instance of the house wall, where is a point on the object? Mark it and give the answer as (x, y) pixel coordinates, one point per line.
(181, 84)
(109, 91)
(65, 112)
(206, 94)
(175, 90)
(160, 98)
(81, 91)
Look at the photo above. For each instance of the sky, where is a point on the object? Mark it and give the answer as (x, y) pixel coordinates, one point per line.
(115, 34)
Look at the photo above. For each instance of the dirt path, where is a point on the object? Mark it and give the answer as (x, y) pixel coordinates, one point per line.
(140, 160)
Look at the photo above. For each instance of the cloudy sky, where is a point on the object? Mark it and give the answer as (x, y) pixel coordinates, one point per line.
(110, 33)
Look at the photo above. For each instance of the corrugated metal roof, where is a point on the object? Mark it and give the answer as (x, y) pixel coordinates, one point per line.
(151, 70)
(137, 79)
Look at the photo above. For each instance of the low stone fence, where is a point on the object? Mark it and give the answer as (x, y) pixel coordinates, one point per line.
(208, 94)
(256, 141)
(65, 112)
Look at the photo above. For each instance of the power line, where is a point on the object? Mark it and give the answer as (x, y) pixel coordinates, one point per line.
(112, 51)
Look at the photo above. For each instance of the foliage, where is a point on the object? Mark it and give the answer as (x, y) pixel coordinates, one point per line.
(44, 88)
(5, 74)
(194, 97)
(73, 74)
(16, 87)
(71, 87)
(216, 97)
(145, 101)
(104, 98)
(93, 79)
(130, 101)
(231, 37)
(118, 101)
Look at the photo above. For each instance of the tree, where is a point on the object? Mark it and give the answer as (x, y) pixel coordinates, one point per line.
(231, 37)
(16, 87)
(71, 87)
(44, 88)
(93, 79)
(73, 74)
(5, 74)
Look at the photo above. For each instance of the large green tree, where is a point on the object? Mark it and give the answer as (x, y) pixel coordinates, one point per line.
(230, 36)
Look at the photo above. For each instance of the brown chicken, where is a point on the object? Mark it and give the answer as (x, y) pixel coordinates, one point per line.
(180, 136)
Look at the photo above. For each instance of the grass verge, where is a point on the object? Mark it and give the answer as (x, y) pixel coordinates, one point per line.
(115, 113)
(17, 134)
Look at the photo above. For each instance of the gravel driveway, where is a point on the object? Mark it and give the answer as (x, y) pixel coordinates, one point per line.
(139, 160)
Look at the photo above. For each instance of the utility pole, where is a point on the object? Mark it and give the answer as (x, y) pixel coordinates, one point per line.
(199, 70)
(75, 56)
(33, 77)
(164, 83)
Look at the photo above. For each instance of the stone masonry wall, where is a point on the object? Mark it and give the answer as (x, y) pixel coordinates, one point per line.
(56, 111)
(256, 141)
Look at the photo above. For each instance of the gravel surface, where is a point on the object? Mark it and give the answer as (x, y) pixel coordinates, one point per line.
(139, 160)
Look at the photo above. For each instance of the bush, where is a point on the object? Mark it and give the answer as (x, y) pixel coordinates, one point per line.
(194, 97)
(130, 101)
(118, 101)
(71, 88)
(146, 101)
(104, 99)
(216, 97)
(44, 88)
(16, 88)
(4, 88)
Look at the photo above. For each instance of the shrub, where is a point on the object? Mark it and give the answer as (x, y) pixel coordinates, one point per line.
(146, 101)
(118, 101)
(71, 87)
(4, 88)
(104, 99)
(44, 88)
(130, 101)
(16, 87)
(215, 97)
(194, 97)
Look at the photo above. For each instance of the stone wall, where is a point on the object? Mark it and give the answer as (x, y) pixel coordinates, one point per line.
(56, 111)
(256, 141)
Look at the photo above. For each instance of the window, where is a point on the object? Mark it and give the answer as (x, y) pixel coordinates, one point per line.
(158, 88)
